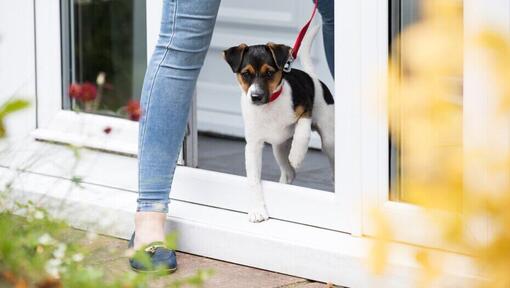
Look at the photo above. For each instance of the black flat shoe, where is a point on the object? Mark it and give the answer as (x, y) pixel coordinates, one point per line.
(163, 259)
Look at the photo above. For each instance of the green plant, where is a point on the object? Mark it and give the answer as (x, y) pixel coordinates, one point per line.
(37, 251)
(8, 108)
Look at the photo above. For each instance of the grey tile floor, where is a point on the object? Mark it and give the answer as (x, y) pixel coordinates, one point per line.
(226, 155)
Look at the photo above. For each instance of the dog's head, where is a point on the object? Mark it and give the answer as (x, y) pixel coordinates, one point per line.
(259, 68)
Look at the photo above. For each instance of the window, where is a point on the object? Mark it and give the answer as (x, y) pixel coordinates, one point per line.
(105, 58)
(447, 141)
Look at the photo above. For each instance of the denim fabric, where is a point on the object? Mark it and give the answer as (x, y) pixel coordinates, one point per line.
(185, 35)
(327, 10)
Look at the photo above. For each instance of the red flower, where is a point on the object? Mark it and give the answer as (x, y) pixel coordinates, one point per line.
(75, 90)
(85, 92)
(133, 110)
(88, 92)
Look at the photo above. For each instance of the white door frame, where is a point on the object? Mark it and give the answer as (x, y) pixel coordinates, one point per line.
(323, 209)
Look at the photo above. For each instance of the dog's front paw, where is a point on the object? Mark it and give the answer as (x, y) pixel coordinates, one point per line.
(258, 214)
(295, 160)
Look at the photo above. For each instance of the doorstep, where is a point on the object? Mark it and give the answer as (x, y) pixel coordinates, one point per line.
(109, 254)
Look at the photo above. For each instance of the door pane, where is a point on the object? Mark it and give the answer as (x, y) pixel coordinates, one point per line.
(106, 56)
(220, 124)
(426, 103)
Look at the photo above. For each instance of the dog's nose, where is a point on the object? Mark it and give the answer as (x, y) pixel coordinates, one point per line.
(255, 97)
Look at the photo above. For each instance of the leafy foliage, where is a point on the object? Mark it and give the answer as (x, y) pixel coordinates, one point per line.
(36, 250)
(9, 108)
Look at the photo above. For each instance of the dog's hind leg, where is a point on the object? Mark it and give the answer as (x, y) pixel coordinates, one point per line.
(300, 141)
(281, 154)
(328, 147)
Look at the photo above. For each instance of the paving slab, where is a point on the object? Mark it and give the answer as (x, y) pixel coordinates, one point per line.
(110, 254)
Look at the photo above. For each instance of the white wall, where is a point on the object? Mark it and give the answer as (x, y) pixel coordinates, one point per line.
(17, 61)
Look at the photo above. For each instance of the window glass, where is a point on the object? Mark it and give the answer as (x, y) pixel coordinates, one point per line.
(426, 118)
(106, 56)
(220, 123)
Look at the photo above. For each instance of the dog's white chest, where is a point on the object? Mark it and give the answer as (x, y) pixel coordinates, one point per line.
(273, 122)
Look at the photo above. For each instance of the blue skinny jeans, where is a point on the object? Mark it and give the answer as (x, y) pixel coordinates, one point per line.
(185, 34)
(327, 10)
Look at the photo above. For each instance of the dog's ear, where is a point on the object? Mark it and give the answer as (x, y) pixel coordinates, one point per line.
(280, 52)
(234, 56)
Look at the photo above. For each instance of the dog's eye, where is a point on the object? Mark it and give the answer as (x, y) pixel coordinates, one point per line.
(246, 75)
(269, 74)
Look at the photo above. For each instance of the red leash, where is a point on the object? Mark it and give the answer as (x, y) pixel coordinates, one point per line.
(302, 33)
(295, 50)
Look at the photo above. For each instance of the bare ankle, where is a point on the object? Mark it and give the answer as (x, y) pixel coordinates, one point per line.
(149, 227)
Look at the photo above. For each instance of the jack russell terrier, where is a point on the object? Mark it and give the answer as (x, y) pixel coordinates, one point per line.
(280, 108)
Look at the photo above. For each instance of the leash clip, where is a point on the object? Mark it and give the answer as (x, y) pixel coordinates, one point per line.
(288, 64)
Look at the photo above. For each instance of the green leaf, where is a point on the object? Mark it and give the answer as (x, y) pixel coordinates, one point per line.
(12, 106)
(171, 241)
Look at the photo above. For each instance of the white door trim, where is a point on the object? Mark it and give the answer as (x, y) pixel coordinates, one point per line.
(280, 246)
(373, 123)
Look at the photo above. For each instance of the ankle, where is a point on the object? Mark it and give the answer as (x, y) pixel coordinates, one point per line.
(149, 227)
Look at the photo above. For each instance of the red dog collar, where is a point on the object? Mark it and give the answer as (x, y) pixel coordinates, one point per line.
(276, 94)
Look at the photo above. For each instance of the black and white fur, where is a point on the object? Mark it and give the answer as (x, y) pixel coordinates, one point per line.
(305, 104)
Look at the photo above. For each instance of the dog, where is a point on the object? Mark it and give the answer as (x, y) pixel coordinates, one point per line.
(280, 108)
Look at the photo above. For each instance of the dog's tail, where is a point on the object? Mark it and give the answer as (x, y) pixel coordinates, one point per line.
(306, 47)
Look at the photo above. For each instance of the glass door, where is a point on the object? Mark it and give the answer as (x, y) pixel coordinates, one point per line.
(220, 125)
(421, 121)
(216, 128)
(426, 122)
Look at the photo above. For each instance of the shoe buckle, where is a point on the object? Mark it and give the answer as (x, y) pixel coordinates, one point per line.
(152, 248)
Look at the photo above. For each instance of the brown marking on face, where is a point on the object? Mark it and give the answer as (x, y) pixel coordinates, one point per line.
(300, 112)
(266, 68)
(248, 68)
(244, 84)
(273, 82)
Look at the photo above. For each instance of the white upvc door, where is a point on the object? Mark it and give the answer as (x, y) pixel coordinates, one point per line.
(478, 126)
(218, 111)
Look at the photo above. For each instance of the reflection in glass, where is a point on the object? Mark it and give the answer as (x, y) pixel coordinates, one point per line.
(106, 56)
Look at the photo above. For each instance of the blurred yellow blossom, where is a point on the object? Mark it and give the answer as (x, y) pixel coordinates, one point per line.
(425, 97)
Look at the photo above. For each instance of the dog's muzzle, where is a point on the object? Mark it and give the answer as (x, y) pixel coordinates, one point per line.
(257, 94)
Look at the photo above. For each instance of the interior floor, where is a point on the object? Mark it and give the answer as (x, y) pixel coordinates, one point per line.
(223, 154)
